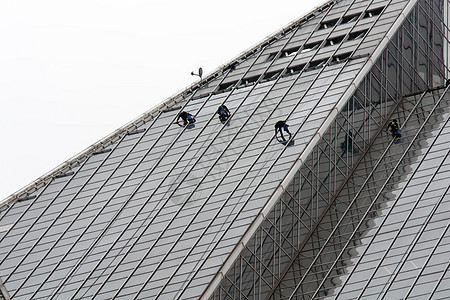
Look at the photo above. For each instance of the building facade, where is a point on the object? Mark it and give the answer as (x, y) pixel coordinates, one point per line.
(228, 210)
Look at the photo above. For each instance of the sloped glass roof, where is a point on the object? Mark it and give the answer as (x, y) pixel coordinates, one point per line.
(386, 234)
(157, 211)
(405, 252)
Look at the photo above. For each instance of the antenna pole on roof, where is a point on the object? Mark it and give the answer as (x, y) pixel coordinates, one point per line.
(200, 73)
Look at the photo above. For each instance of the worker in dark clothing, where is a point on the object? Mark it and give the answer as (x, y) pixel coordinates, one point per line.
(279, 127)
(395, 129)
(223, 113)
(186, 117)
(347, 144)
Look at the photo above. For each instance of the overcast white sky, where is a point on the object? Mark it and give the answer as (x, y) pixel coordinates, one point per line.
(71, 72)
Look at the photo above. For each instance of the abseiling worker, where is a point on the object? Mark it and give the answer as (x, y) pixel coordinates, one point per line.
(394, 129)
(279, 127)
(186, 117)
(223, 113)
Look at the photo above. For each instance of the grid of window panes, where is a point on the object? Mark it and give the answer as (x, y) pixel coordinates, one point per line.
(297, 212)
(157, 212)
(381, 213)
(152, 214)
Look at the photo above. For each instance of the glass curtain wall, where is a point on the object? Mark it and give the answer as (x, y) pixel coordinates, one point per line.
(348, 226)
(413, 61)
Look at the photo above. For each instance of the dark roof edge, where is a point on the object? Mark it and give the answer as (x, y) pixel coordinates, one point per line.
(142, 119)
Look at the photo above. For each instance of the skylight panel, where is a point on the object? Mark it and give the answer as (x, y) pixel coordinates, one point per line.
(70, 173)
(250, 80)
(317, 63)
(290, 52)
(350, 18)
(328, 24)
(137, 131)
(102, 151)
(357, 35)
(341, 57)
(272, 56)
(225, 86)
(373, 12)
(296, 69)
(335, 40)
(271, 75)
(309, 47)
(26, 198)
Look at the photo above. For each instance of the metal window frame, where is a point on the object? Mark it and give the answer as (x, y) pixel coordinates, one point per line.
(104, 183)
(378, 194)
(168, 103)
(186, 150)
(415, 240)
(359, 224)
(314, 186)
(117, 213)
(56, 219)
(380, 261)
(336, 50)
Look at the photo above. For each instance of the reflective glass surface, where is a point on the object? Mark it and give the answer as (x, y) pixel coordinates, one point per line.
(160, 211)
